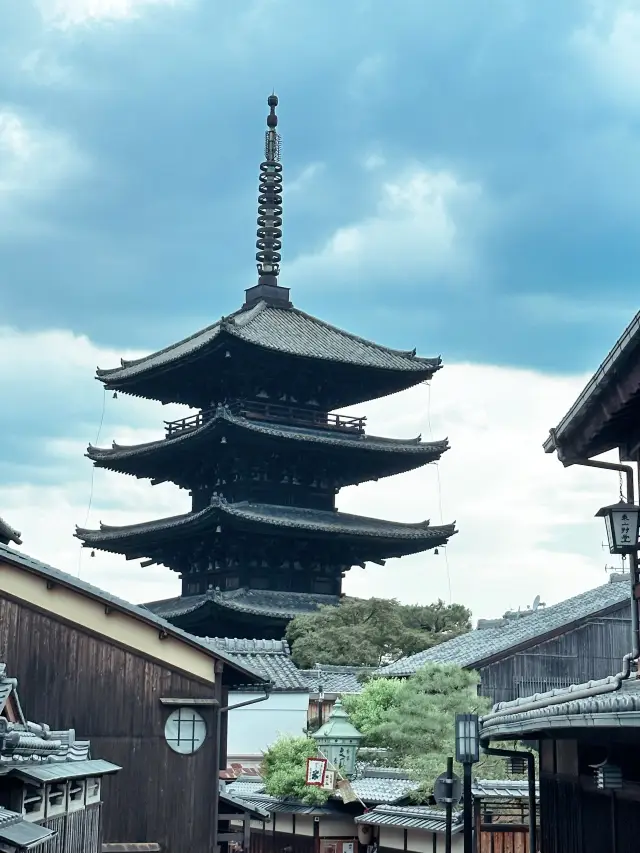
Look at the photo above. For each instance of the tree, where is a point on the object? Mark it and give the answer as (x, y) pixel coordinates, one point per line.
(284, 767)
(416, 726)
(374, 631)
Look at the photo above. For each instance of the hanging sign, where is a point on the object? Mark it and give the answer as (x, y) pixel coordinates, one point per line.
(316, 771)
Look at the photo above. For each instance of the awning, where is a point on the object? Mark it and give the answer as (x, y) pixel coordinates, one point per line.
(61, 770)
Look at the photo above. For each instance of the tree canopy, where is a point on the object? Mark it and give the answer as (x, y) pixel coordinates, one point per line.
(413, 720)
(374, 631)
(284, 769)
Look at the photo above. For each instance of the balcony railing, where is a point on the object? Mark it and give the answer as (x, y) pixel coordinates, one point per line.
(272, 413)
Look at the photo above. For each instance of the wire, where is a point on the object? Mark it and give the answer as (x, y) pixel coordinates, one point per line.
(446, 556)
(93, 473)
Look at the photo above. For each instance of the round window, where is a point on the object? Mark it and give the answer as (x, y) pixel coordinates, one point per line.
(185, 730)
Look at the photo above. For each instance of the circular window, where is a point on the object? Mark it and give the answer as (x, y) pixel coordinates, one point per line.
(185, 730)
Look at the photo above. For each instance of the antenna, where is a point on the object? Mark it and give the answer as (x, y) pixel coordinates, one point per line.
(536, 603)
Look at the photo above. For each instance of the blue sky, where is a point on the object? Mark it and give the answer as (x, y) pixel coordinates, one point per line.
(460, 177)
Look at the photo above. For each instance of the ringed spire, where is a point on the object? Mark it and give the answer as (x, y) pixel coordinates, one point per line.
(269, 242)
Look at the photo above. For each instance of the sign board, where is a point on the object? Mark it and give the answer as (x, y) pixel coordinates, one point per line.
(316, 770)
(329, 780)
(440, 789)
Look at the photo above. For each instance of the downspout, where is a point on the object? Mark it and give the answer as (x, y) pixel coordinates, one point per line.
(531, 778)
(220, 710)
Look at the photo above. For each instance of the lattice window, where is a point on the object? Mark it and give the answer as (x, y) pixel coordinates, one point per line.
(185, 730)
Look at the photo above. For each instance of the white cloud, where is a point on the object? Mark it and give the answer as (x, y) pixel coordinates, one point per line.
(70, 13)
(35, 161)
(526, 524)
(610, 43)
(418, 225)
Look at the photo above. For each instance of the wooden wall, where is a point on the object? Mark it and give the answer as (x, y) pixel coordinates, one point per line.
(70, 679)
(593, 650)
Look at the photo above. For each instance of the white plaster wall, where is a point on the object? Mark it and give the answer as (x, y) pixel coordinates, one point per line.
(254, 728)
(338, 827)
(304, 824)
(419, 841)
(391, 836)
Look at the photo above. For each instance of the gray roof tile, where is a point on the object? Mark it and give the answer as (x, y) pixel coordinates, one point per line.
(501, 789)
(380, 789)
(294, 518)
(20, 834)
(43, 570)
(336, 679)
(477, 646)
(261, 602)
(271, 657)
(286, 330)
(426, 818)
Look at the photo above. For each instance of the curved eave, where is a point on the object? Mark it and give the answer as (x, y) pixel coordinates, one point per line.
(393, 539)
(383, 456)
(283, 332)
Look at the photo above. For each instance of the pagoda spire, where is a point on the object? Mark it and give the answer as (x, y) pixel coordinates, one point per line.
(269, 240)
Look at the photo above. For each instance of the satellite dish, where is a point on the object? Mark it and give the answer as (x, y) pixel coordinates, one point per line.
(536, 602)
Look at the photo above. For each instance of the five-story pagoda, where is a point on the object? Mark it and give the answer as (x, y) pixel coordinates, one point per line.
(264, 457)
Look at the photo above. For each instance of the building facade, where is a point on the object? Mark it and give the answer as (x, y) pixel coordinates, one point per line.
(264, 454)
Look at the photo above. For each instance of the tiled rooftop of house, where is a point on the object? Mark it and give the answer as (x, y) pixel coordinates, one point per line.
(426, 818)
(502, 635)
(336, 679)
(271, 657)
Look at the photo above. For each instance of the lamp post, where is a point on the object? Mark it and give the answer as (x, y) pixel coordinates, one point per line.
(338, 740)
(468, 754)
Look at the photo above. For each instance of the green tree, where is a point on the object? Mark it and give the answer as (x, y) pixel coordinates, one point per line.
(284, 767)
(374, 631)
(416, 728)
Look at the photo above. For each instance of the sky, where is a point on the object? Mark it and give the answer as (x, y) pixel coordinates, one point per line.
(459, 177)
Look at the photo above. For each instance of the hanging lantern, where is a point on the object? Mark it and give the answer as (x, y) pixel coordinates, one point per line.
(338, 740)
(621, 521)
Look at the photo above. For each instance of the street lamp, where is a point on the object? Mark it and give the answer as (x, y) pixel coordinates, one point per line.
(338, 740)
(468, 754)
(621, 520)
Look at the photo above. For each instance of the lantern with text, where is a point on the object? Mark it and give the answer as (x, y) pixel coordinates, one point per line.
(338, 740)
(621, 521)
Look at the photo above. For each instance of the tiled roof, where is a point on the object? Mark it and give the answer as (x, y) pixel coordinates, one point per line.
(269, 516)
(260, 602)
(501, 789)
(237, 770)
(20, 834)
(382, 788)
(43, 570)
(351, 440)
(271, 657)
(287, 805)
(606, 703)
(8, 534)
(242, 789)
(336, 679)
(286, 330)
(229, 799)
(482, 644)
(426, 818)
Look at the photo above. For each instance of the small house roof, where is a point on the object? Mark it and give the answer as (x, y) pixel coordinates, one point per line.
(271, 657)
(21, 834)
(33, 566)
(285, 330)
(336, 679)
(483, 644)
(426, 818)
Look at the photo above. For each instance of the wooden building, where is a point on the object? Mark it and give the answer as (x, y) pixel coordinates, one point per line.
(148, 696)
(50, 789)
(264, 456)
(533, 651)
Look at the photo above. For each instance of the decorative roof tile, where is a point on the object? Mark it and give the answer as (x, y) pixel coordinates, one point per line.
(482, 644)
(271, 657)
(8, 534)
(286, 330)
(268, 515)
(43, 570)
(336, 679)
(260, 602)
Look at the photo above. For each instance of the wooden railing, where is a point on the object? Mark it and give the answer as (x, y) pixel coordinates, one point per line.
(272, 413)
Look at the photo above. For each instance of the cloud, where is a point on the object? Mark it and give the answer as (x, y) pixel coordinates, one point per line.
(72, 13)
(419, 226)
(526, 524)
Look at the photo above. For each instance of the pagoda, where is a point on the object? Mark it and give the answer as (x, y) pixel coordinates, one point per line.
(265, 454)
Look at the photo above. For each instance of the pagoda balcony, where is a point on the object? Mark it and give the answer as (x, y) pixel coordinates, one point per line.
(273, 413)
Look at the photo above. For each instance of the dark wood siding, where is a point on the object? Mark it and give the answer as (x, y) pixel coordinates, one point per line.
(70, 679)
(592, 650)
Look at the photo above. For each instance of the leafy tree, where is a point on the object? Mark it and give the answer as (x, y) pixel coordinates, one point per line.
(284, 767)
(416, 726)
(374, 631)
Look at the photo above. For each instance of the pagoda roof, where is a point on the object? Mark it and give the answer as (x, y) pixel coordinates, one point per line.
(254, 602)
(414, 451)
(400, 538)
(285, 330)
